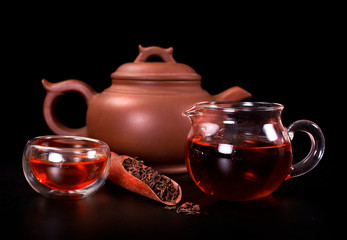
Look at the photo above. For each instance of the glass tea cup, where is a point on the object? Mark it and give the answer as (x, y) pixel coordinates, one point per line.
(240, 151)
(66, 167)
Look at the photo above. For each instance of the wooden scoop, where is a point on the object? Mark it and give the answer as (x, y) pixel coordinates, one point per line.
(121, 177)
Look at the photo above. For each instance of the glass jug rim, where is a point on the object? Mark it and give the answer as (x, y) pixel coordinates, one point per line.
(237, 106)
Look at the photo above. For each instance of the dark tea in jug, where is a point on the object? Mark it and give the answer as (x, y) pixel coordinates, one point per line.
(255, 170)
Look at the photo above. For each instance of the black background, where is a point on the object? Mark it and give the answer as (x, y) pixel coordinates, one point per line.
(290, 56)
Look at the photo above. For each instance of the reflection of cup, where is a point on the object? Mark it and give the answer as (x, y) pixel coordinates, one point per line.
(66, 167)
(240, 150)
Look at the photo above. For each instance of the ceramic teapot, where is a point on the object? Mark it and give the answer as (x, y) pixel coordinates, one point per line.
(140, 114)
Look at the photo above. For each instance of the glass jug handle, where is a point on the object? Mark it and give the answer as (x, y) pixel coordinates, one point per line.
(317, 146)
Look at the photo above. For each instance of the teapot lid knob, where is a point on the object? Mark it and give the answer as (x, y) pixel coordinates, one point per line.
(164, 53)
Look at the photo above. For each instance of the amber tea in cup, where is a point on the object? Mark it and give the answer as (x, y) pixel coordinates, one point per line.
(66, 167)
(240, 151)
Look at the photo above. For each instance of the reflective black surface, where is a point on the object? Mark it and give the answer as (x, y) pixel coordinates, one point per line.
(307, 207)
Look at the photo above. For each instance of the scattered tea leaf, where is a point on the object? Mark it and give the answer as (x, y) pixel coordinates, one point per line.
(188, 208)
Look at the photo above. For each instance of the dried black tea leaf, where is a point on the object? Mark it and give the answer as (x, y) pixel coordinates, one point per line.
(161, 185)
(131, 174)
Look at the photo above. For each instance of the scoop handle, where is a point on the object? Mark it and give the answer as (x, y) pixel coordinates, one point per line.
(54, 90)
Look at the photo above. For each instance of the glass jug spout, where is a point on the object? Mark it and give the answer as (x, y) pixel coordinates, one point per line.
(191, 112)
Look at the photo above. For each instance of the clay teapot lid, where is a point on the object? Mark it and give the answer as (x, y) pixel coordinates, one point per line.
(169, 69)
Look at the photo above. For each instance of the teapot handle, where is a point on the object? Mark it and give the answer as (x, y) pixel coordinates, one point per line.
(54, 90)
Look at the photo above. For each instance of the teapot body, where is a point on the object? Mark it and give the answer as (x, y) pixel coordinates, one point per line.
(143, 119)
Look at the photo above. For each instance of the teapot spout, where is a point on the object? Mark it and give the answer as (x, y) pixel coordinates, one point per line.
(232, 94)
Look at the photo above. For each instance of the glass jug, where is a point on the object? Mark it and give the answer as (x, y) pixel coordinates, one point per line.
(240, 151)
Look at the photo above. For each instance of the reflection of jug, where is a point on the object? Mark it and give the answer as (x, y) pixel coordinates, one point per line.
(140, 113)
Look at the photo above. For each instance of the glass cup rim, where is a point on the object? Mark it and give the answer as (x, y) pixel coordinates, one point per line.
(238, 106)
(78, 138)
